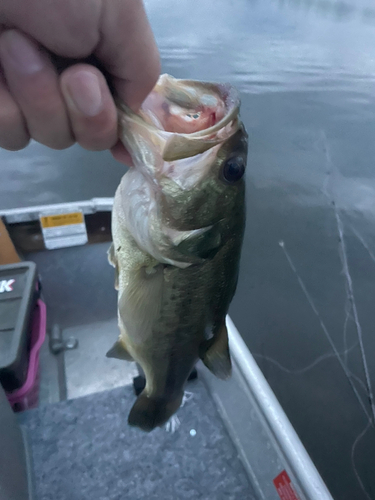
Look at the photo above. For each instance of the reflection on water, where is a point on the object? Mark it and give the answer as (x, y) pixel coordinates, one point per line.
(38, 175)
(336, 10)
(306, 71)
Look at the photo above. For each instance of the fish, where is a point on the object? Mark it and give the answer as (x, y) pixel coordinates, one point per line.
(178, 221)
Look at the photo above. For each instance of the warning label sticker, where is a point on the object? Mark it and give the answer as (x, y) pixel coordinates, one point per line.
(63, 230)
(285, 487)
(61, 219)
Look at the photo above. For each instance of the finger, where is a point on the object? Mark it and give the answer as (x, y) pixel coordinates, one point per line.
(128, 50)
(69, 28)
(121, 154)
(13, 131)
(116, 30)
(33, 83)
(92, 112)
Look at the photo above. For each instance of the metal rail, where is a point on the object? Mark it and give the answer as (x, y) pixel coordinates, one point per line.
(296, 456)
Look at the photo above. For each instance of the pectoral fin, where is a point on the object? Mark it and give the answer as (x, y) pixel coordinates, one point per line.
(203, 245)
(119, 351)
(111, 255)
(195, 245)
(215, 354)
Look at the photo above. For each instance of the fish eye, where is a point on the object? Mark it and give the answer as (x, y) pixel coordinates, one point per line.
(233, 170)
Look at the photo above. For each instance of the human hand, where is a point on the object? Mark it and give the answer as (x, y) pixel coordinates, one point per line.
(75, 106)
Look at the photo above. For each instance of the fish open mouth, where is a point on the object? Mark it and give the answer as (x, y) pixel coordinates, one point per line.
(182, 112)
(182, 118)
(188, 106)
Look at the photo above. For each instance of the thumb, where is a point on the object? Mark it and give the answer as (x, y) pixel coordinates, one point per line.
(128, 50)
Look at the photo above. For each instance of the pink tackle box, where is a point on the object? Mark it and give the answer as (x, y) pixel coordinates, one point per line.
(27, 396)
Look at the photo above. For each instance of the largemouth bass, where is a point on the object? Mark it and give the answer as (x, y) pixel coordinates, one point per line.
(177, 225)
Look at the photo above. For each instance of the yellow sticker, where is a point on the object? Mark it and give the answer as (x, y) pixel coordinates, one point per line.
(61, 220)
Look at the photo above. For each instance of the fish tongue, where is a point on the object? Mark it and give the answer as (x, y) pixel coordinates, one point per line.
(182, 108)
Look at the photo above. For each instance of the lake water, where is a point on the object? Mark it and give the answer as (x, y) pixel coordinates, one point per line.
(305, 300)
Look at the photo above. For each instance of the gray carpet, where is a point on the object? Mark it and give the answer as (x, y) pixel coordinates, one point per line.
(83, 449)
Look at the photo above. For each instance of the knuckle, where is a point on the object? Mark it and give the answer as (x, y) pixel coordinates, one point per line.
(67, 143)
(48, 124)
(10, 116)
(94, 145)
(155, 69)
(13, 134)
(58, 141)
(152, 69)
(13, 141)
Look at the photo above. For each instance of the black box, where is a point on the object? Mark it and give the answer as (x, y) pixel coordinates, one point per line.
(18, 295)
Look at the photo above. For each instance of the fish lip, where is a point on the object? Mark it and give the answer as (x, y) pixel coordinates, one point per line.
(226, 91)
(232, 113)
(165, 146)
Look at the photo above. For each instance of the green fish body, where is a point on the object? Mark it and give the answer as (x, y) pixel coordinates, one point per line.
(177, 225)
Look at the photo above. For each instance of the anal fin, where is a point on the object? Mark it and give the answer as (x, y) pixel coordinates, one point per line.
(119, 351)
(215, 354)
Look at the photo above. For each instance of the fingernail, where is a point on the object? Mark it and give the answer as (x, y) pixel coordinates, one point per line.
(85, 92)
(21, 53)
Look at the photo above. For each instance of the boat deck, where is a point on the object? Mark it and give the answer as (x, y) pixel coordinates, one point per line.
(233, 439)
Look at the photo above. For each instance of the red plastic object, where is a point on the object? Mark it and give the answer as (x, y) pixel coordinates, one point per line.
(284, 487)
(27, 396)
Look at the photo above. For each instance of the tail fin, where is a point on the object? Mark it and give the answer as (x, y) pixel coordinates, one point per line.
(150, 412)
